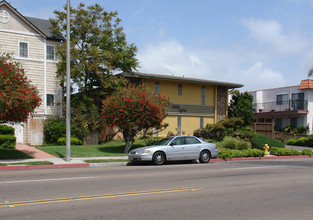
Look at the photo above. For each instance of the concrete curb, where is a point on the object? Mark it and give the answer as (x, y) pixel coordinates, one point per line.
(79, 165)
(31, 167)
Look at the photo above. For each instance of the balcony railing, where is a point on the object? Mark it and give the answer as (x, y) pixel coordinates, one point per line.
(290, 105)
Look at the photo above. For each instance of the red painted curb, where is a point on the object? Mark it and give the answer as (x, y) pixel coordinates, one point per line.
(260, 158)
(55, 166)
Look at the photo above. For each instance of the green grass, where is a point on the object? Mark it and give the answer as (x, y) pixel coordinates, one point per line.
(106, 161)
(28, 163)
(6, 154)
(110, 148)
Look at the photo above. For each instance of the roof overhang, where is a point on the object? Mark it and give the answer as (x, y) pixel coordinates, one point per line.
(179, 79)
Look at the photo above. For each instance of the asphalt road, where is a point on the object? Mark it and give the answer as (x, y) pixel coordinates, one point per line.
(260, 189)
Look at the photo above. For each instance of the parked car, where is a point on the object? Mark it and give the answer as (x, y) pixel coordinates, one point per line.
(174, 149)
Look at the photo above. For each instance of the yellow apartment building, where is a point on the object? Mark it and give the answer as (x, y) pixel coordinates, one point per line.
(195, 102)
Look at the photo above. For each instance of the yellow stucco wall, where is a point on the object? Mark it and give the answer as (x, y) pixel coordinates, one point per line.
(191, 92)
(188, 124)
(191, 95)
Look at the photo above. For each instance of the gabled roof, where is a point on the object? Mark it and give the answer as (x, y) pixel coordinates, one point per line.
(41, 26)
(306, 84)
(179, 79)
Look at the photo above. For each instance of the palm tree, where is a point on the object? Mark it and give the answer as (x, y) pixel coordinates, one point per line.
(310, 73)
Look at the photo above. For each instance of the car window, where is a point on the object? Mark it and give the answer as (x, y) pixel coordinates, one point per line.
(178, 141)
(192, 140)
(164, 141)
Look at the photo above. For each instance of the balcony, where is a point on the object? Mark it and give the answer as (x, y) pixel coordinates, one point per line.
(281, 107)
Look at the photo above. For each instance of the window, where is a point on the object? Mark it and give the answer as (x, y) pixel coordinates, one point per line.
(191, 140)
(157, 87)
(282, 99)
(201, 121)
(178, 141)
(279, 123)
(180, 89)
(50, 52)
(50, 100)
(202, 95)
(298, 101)
(23, 49)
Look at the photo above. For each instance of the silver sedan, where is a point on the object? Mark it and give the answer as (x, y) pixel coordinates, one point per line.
(175, 148)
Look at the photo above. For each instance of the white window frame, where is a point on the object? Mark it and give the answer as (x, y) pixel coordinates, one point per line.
(53, 103)
(19, 49)
(49, 45)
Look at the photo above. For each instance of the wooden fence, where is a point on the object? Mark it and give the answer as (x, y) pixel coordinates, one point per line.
(267, 129)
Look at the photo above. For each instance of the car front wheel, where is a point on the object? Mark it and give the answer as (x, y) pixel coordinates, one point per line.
(204, 156)
(159, 158)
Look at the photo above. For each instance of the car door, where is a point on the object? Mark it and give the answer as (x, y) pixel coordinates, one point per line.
(176, 150)
(192, 148)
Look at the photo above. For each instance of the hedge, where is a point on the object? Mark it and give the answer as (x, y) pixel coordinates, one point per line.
(74, 141)
(5, 129)
(259, 142)
(7, 141)
(229, 154)
(283, 151)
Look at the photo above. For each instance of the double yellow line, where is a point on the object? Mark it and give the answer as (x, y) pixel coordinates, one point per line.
(103, 196)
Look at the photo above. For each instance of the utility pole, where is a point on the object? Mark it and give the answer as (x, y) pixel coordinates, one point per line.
(68, 87)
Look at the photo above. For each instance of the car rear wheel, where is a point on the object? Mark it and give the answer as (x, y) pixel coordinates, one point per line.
(204, 156)
(158, 158)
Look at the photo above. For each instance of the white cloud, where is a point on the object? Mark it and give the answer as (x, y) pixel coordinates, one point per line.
(233, 65)
(261, 77)
(269, 32)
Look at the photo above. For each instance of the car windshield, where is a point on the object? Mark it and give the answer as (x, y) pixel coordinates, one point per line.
(164, 141)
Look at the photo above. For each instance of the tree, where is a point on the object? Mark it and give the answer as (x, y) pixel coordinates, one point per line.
(310, 73)
(241, 106)
(98, 47)
(18, 98)
(134, 109)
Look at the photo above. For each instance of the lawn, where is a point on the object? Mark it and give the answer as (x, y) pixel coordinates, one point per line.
(6, 154)
(110, 148)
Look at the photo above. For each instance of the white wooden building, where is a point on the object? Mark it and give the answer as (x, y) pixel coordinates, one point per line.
(33, 45)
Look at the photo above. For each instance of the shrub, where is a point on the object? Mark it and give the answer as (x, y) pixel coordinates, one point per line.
(234, 143)
(283, 152)
(309, 141)
(307, 152)
(231, 124)
(301, 141)
(229, 154)
(55, 128)
(74, 141)
(225, 154)
(243, 134)
(202, 132)
(302, 129)
(151, 141)
(170, 134)
(7, 141)
(5, 129)
(259, 141)
(291, 141)
(219, 130)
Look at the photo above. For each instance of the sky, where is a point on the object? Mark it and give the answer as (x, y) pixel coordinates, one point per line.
(258, 43)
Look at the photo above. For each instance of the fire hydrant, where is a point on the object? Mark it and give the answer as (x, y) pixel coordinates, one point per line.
(266, 148)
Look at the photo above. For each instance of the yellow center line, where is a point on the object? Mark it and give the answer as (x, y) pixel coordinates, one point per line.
(103, 196)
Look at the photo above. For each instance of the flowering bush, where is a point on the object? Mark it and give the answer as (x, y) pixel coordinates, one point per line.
(134, 109)
(18, 98)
